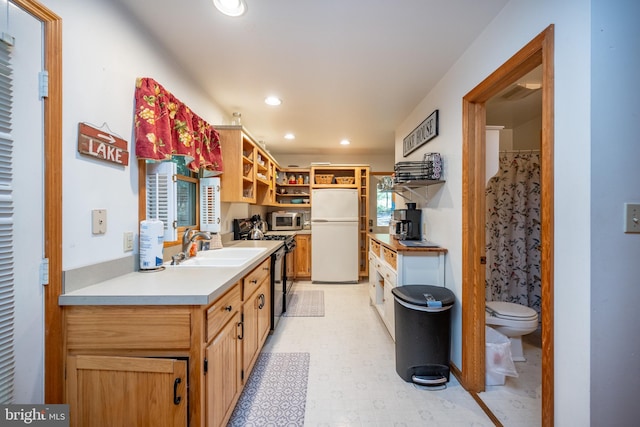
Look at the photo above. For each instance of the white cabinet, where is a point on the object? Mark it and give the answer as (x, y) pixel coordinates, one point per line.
(421, 268)
(390, 282)
(382, 279)
(373, 279)
(389, 268)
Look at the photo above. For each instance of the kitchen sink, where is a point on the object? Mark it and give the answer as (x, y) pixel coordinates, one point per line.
(230, 253)
(225, 257)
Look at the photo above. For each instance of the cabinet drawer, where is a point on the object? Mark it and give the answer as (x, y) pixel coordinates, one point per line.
(390, 257)
(252, 280)
(131, 328)
(375, 247)
(390, 276)
(222, 310)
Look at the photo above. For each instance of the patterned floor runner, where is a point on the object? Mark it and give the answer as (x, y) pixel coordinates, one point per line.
(276, 392)
(306, 304)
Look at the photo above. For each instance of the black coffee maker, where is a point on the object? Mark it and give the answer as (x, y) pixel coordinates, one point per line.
(406, 224)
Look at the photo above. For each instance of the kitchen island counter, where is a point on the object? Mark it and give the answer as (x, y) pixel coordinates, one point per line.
(393, 244)
(170, 286)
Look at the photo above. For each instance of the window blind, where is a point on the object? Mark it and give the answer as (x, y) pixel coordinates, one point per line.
(210, 204)
(7, 306)
(161, 197)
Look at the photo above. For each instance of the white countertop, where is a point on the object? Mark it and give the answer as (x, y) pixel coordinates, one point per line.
(171, 286)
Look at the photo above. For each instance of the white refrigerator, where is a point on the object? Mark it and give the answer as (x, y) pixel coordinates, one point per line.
(334, 241)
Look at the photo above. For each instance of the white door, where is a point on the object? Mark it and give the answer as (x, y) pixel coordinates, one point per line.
(28, 199)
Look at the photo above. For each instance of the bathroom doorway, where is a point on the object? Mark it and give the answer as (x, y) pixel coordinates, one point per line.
(513, 235)
(538, 53)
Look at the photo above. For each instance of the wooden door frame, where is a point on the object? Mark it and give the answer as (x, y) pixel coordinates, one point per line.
(53, 349)
(540, 51)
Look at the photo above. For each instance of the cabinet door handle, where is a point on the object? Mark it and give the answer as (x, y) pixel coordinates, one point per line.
(254, 281)
(176, 398)
(241, 336)
(228, 308)
(262, 301)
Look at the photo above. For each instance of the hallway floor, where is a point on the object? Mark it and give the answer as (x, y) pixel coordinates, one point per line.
(352, 377)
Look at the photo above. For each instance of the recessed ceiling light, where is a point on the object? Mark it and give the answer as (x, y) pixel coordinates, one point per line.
(231, 7)
(289, 136)
(345, 142)
(272, 100)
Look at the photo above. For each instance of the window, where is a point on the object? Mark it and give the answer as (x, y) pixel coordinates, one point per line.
(186, 194)
(381, 202)
(180, 198)
(384, 207)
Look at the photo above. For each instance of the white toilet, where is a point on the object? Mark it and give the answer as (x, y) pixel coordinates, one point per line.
(514, 321)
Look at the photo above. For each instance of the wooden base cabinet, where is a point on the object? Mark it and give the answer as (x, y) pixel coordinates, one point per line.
(223, 356)
(158, 394)
(128, 365)
(255, 315)
(165, 365)
(303, 256)
(224, 371)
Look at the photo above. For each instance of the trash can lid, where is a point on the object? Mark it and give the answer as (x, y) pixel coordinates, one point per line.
(425, 295)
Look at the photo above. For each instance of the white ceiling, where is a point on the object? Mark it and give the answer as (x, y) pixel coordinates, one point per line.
(343, 68)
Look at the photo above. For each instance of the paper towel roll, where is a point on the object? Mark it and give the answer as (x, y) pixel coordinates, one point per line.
(151, 244)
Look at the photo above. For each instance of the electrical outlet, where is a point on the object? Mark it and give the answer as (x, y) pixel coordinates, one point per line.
(632, 218)
(99, 221)
(128, 241)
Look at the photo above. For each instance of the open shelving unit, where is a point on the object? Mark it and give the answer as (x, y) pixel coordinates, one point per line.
(288, 194)
(410, 186)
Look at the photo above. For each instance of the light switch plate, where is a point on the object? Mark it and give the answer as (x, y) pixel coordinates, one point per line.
(128, 241)
(99, 221)
(632, 217)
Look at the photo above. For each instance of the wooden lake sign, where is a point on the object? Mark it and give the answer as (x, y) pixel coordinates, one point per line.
(102, 145)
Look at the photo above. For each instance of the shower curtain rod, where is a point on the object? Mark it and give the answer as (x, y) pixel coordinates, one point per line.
(518, 151)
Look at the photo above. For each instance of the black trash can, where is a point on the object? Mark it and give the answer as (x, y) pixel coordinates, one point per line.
(423, 333)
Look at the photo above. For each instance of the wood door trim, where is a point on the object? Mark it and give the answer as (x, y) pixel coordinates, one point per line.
(537, 52)
(53, 343)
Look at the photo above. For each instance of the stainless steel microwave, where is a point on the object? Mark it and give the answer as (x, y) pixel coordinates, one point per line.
(282, 221)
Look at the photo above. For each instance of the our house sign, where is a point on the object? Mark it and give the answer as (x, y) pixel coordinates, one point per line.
(424, 133)
(102, 145)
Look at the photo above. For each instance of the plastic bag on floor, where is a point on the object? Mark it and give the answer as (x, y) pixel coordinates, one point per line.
(498, 359)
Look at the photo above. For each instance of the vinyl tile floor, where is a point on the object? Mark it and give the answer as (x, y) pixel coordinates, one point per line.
(352, 377)
(519, 401)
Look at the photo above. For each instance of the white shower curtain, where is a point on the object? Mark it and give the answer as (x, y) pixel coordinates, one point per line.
(513, 231)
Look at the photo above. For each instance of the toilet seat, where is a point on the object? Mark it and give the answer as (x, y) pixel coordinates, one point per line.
(514, 321)
(510, 311)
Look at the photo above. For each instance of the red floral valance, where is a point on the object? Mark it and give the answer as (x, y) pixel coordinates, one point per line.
(166, 127)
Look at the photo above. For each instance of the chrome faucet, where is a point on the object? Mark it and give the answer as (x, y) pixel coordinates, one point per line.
(189, 237)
